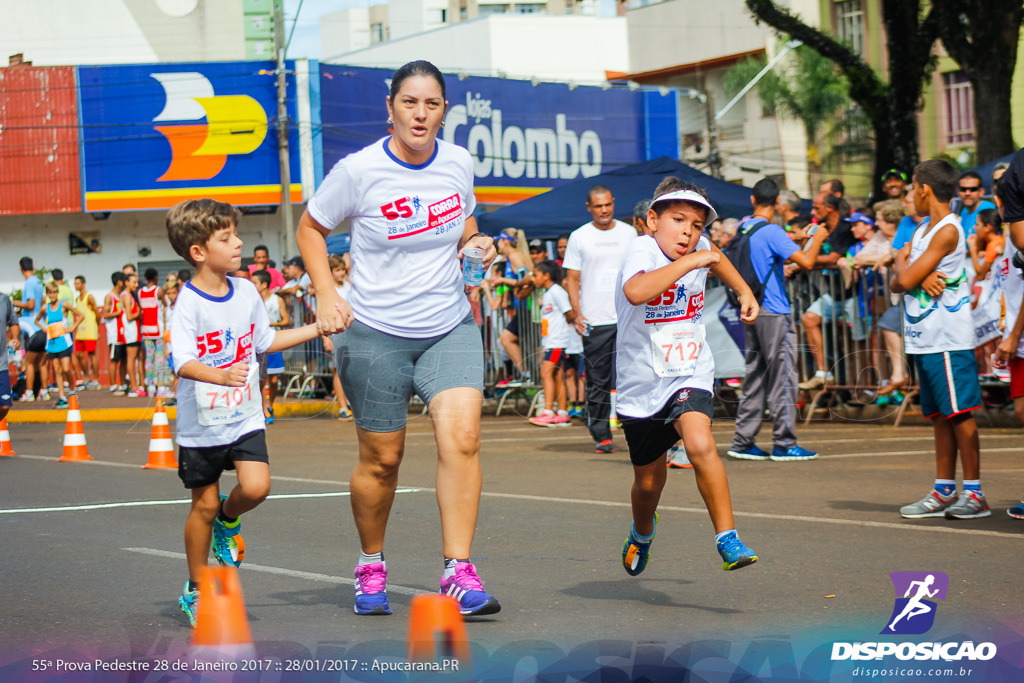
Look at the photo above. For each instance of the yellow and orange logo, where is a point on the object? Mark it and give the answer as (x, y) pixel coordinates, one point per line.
(235, 124)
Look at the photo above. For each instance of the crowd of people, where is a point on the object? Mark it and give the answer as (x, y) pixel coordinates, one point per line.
(609, 294)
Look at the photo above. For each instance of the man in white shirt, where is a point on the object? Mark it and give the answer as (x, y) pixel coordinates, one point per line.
(592, 260)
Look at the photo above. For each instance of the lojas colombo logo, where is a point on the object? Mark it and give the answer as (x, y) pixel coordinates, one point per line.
(913, 613)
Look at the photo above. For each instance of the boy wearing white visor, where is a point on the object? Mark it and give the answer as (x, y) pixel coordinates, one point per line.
(666, 370)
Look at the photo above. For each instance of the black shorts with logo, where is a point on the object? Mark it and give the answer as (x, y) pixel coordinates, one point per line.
(649, 438)
(202, 466)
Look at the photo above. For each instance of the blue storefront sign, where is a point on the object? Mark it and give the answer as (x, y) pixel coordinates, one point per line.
(154, 134)
(524, 138)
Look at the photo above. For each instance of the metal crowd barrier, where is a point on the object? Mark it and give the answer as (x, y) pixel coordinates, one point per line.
(308, 364)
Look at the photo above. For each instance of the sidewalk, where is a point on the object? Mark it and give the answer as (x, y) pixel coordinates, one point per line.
(102, 406)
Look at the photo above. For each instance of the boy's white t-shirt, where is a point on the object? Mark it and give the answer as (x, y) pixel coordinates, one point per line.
(641, 391)
(273, 304)
(598, 255)
(943, 324)
(554, 327)
(231, 328)
(406, 223)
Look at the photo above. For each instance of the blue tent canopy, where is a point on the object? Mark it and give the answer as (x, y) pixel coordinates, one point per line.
(563, 209)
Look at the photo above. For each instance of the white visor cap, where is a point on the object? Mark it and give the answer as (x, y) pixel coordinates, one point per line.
(689, 196)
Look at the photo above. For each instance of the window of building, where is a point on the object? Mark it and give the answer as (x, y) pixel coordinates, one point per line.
(484, 10)
(437, 16)
(850, 23)
(378, 33)
(959, 100)
(530, 8)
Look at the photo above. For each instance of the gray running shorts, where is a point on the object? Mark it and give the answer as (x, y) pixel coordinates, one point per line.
(380, 372)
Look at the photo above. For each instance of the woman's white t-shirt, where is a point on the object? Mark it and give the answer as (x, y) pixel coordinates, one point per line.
(406, 223)
(641, 391)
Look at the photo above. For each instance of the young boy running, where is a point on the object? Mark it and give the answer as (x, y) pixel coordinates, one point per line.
(666, 371)
(556, 316)
(218, 327)
(939, 335)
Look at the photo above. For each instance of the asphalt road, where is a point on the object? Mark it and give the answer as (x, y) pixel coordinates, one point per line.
(102, 582)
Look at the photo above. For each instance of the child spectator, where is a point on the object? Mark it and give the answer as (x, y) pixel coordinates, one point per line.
(171, 290)
(556, 316)
(940, 336)
(666, 371)
(985, 246)
(339, 271)
(110, 315)
(277, 313)
(219, 325)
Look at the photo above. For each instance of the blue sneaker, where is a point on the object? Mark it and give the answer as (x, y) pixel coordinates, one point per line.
(269, 416)
(371, 589)
(734, 553)
(575, 411)
(751, 453)
(228, 544)
(1017, 511)
(467, 588)
(189, 604)
(792, 453)
(635, 555)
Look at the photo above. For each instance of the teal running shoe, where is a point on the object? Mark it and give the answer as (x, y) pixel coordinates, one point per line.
(228, 544)
(189, 604)
(635, 554)
(735, 554)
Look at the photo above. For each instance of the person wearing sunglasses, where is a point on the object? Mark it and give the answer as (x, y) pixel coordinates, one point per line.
(971, 193)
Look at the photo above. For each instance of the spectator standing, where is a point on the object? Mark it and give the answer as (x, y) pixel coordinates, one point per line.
(277, 314)
(889, 214)
(971, 192)
(788, 207)
(827, 210)
(111, 316)
(339, 271)
(770, 382)
(592, 261)
(33, 339)
(560, 244)
(88, 334)
(261, 261)
(940, 336)
(640, 217)
(8, 327)
(894, 184)
(157, 372)
(511, 244)
(128, 332)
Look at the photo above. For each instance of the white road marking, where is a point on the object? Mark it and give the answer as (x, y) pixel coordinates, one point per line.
(180, 501)
(247, 566)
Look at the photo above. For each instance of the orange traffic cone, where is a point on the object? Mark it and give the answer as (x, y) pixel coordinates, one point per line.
(435, 618)
(161, 447)
(75, 449)
(222, 629)
(5, 439)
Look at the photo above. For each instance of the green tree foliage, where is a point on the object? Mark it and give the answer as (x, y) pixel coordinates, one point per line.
(805, 86)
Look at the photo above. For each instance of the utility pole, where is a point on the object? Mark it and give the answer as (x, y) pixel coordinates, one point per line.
(283, 155)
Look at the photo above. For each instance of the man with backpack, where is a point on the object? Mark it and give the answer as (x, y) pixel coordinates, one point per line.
(758, 251)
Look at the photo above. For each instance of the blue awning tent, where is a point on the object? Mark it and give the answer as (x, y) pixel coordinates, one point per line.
(563, 209)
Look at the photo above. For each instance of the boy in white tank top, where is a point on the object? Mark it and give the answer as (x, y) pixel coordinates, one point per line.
(939, 336)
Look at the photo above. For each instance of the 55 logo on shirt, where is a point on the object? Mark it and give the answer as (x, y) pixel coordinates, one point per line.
(401, 208)
(216, 346)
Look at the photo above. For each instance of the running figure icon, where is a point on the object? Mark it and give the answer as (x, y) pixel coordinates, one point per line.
(915, 606)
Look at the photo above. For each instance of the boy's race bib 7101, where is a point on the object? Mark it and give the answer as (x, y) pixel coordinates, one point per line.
(675, 348)
(218, 404)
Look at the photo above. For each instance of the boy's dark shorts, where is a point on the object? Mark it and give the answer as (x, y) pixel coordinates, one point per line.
(118, 353)
(198, 467)
(36, 342)
(649, 437)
